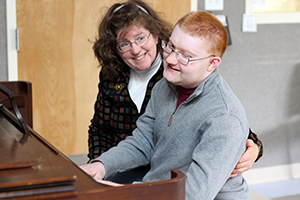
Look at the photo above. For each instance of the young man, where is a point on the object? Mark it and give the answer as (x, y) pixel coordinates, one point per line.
(193, 121)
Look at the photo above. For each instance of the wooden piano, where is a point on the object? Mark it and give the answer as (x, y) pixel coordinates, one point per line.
(31, 168)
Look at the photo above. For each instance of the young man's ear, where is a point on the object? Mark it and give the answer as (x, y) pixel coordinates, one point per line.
(214, 63)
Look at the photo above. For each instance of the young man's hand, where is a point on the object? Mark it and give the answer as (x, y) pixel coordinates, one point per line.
(95, 170)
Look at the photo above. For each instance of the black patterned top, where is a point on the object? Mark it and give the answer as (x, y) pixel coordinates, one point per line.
(115, 113)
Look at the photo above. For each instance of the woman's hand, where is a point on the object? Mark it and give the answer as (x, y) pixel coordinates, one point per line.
(95, 170)
(248, 158)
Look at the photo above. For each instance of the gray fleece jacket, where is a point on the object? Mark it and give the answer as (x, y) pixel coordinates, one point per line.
(204, 137)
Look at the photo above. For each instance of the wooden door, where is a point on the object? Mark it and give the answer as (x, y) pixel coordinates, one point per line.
(56, 56)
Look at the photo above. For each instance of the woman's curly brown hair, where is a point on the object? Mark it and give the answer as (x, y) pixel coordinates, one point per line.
(105, 46)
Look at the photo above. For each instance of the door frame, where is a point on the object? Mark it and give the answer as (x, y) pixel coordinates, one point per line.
(11, 27)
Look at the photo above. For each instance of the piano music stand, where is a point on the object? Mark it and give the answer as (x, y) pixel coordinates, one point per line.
(22, 91)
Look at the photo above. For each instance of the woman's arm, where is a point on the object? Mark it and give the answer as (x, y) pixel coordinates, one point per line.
(100, 133)
(254, 151)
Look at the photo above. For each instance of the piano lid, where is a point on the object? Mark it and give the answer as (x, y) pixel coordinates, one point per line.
(28, 167)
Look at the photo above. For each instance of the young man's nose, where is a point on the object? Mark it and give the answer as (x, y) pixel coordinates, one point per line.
(171, 58)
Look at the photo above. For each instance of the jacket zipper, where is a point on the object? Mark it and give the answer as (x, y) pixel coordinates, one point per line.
(172, 115)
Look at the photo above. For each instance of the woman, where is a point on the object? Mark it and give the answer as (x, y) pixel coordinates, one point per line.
(129, 50)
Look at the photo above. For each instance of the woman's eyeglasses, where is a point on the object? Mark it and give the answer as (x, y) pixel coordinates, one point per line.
(127, 45)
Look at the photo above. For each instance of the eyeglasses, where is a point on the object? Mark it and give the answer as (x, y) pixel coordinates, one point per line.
(127, 45)
(168, 47)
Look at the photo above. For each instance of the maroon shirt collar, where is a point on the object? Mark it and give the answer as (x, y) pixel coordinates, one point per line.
(183, 94)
